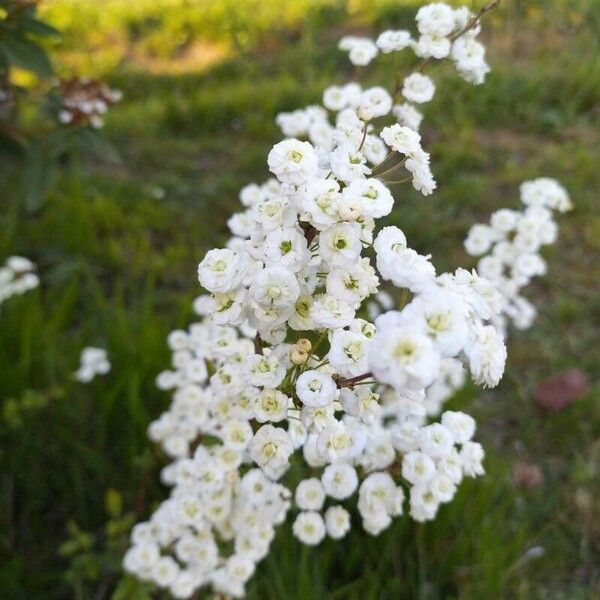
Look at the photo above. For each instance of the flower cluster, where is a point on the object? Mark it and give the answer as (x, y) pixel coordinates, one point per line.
(444, 32)
(94, 361)
(284, 368)
(509, 247)
(17, 277)
(84, 102)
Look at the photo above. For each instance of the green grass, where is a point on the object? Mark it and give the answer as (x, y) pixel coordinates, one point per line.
(117, 244)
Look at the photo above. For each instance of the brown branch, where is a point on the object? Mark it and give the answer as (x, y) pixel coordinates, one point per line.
(342, 383)
(309, 231)
(258, 347)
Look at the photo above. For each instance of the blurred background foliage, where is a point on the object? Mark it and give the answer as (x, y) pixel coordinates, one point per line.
(119, 236)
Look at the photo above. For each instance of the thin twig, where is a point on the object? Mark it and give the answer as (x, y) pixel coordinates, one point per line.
(471, 24)
(350, 382)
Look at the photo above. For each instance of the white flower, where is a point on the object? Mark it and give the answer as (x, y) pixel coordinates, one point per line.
(340, 245)
(374, 102)
(469, 56)
(408, 115)
(434, 46)
(487, 356)
(471, 457)
(418, 88)
(545, 192)
(320, 200)
(348, 352)
(436, 441)
(310, 494)
(361, 51)
(293, 124)
(221, 270)
(442, 317)
(275, 286)
(337, 522)
(460, 425)
(347, 163)
(293, 161)
(339, 480)
(286, 247)
(270, 405)
(352, 283)
(315, 389)
(295, 263)
(422, 178)
(374, 198)
(335, 98)
(262, 370)
(165, 571)
(329, 312)
(94, 361)
(402, 139)
(339, 441)
(404, 267)
(435, 19)
(403, 358)
(480, 239)
(236, 434)
(504, 220)
(390, 41)
(309, 528)
(377, 501)
(417, 467)
(271, 448)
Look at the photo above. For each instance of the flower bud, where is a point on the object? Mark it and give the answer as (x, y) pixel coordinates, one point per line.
(304, 345)
(299, 357)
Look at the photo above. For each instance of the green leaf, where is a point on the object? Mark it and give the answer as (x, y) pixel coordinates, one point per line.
(26, 54)
(38, 175)
(132, 589)
(39, 27)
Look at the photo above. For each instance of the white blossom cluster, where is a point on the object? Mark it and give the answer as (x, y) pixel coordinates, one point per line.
(509, 247)
(93, 361)
(17, 277)
(444, 32)
(284, 369)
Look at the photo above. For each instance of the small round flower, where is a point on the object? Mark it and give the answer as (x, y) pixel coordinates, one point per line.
(337, 522)
(418, 88)
(309, 528)
(270, 405)
(271, 448)
(460, 425)
(340, 245)
(316, 389)
(165, 571)
(471, 458)
(339, 480)
(408, 115)
(310, 494)
(417, 468)
(391, 41)
(293, 161)
(436, 440)
(402, 139)
(221, 270)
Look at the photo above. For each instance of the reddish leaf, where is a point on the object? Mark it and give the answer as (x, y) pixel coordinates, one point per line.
(527, 475)
(562, 389)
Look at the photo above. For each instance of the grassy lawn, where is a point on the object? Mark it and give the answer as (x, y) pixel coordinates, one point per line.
(117, 244)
